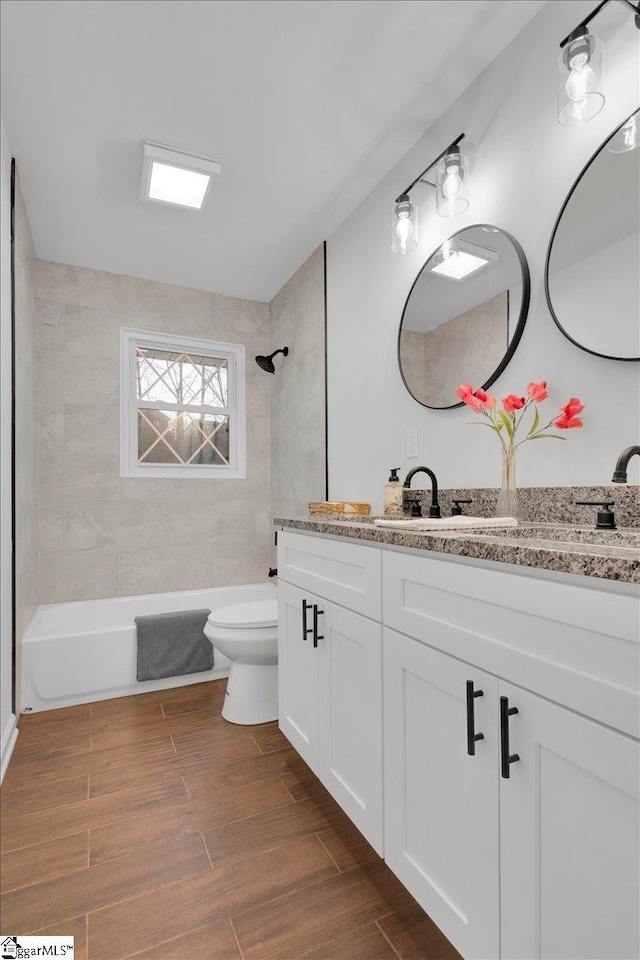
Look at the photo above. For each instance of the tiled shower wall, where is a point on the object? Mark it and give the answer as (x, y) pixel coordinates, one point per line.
(298, 397)
(26, 428)
(106, 536)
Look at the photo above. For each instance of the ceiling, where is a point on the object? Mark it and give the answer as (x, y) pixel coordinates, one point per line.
(306, 104)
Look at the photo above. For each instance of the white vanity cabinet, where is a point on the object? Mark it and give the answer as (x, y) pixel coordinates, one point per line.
(569, 836)
(442, 814)
(543, 863)
(481, 665)
(537, 857)
(330, 675)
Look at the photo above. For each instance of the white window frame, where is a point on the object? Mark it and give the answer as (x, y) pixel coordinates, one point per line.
(233, 353)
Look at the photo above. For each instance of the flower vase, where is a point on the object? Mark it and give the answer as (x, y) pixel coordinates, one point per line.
(508, 502)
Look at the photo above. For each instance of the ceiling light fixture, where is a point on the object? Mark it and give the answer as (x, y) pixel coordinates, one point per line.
(459, 265)
(452, 197)
(456, 259)
(176, 178)
(580, 76)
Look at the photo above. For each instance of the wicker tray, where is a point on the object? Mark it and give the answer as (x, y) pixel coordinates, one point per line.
(338, 507)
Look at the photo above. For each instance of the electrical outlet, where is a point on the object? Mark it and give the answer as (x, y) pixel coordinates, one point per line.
(412, 443)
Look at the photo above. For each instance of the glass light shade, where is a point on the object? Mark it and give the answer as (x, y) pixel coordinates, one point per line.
(404, 236)
(580, 80)
(452, 183)
(628, 136)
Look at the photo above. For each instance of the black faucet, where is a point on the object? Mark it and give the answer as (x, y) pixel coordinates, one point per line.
(620, 472)
(434, 509)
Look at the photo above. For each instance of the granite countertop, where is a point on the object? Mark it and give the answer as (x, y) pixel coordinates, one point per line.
(565, 548)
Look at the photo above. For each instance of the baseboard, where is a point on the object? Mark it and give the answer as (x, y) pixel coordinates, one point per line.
(9, 738)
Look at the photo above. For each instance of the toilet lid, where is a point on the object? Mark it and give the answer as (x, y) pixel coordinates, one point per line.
(256, 613)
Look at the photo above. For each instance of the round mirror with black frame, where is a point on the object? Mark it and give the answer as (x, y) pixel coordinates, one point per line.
(592, 273)
(464, 315)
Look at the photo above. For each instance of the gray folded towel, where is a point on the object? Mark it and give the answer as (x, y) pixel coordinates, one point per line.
(173, 644)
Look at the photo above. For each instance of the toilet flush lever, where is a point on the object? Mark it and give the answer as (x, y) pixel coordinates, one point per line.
(316, 614)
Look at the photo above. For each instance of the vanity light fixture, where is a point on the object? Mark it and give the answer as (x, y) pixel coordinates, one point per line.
(627, 137)
(452, 183)
(405, 225)
(580, 78)
(176, 178)
(452, 188)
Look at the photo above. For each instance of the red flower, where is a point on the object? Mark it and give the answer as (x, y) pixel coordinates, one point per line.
(566, 423)
(512, 403)
(485, 398)
(464, 390)
(478, 400)
(538, 391)
(572, 409)
(472, 401)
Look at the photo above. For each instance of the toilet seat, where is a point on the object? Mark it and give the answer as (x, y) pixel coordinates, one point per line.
(255, 615)
(247, 634)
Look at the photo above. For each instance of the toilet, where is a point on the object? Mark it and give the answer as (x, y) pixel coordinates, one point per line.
(247, 633)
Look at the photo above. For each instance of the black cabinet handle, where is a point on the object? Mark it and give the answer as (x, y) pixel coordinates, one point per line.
(506, 758)
(305, 629)
(316, 614)
(472, 736)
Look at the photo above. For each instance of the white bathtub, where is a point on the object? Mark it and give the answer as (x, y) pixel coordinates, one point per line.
(80, 652)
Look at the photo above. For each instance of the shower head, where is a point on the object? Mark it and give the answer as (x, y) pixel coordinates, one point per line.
(266, 363)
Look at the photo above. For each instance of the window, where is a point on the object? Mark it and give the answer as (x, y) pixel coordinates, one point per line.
(181, 406)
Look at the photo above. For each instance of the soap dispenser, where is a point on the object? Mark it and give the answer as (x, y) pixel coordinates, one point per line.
(393, 493)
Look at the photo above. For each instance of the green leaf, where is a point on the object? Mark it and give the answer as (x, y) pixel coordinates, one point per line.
(506, 419)
(474, 423)
(534, 425)
(552, 436)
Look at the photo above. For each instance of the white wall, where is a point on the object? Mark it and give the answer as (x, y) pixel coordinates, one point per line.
(7, 720)
(522, 165)
(576, 292)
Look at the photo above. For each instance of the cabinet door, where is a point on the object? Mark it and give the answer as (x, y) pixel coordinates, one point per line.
(441, 804)
(297, 672)
(569, 836)
(350, 716)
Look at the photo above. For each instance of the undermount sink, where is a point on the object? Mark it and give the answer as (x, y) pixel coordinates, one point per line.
(565, 533)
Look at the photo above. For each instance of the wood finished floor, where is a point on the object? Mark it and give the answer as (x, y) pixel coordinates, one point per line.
(149, 827)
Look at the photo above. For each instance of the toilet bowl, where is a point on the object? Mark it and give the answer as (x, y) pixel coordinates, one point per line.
(247, 633)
